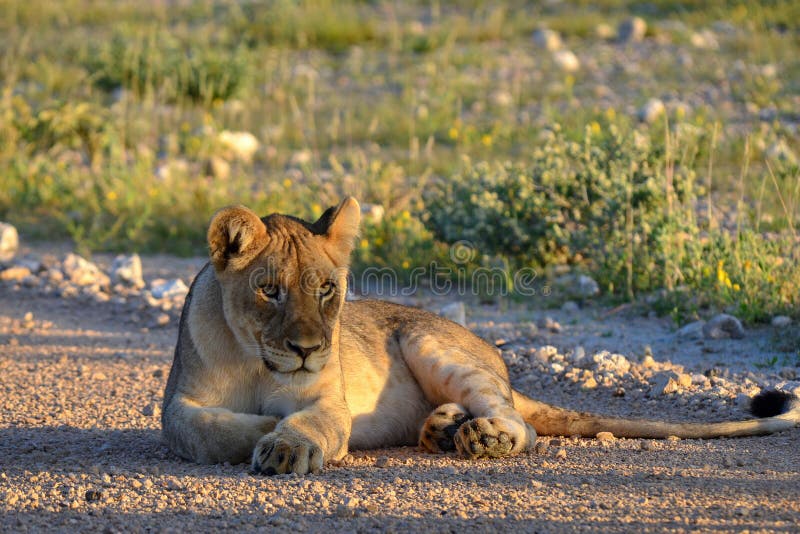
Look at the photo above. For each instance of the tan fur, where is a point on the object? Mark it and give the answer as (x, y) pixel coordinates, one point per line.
(273, 366)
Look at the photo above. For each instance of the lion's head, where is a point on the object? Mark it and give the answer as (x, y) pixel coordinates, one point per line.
(283, 283)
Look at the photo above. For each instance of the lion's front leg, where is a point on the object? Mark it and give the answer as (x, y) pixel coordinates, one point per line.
(303, 441)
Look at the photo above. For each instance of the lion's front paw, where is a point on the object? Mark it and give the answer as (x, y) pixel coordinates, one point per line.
(285, 452)
(485, 438)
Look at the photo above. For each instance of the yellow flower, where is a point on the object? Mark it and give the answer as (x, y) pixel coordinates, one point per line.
(152, 192)
(453, 133)
(364, 243)
(747, 265)
(378, 241)
(406, 214)
(486, 139)
(610, 114)
(737, 287)
(287, 183)
(594, 127)
(111, 195)
(406, 264)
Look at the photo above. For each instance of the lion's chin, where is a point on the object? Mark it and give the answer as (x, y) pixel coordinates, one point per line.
(300, 374)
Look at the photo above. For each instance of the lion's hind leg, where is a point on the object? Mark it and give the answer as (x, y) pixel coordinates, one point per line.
(468, 379)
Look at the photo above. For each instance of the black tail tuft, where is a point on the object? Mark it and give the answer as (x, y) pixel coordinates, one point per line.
(772, 402)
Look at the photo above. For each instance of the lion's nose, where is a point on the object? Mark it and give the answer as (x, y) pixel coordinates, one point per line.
(301, 350)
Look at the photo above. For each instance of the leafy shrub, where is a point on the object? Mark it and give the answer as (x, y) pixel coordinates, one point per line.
(601, 203)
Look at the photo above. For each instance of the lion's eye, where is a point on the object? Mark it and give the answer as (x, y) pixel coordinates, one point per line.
(326, 289)
(270, 292)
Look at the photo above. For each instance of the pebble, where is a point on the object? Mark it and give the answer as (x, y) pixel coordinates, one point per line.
(9, 242)
(589, 383)
(570, 306)
(455, 311)
(566, 60)
(548, 323)
(540, 447)
(692, 330)
(605, 436)
(652, 111)
(127, 270)
(162, 319)
(151, 410)
(15, 274)
(723, 326)
(781, 321)
(668, 382)
(82, 272)
(548, 39)
(382, 461)
(167, 289)
(561, 454)
(632, 30)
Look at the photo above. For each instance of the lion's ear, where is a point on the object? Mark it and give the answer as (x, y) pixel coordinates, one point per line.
(235, 236)
(339, 225)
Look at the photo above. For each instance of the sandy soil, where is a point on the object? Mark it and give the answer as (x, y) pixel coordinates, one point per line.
(79, 446)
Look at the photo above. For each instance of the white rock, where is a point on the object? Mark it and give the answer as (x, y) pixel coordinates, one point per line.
(616, 364)
(82, 272)
(372, 213)
(692, 330)
(241, 145)
(9, 241)
(548, 39)
(570, 306)
(566, 60)
(501, 98)
(704, 39)
(167, 289)
(700, 379)
(781, 321)
(652, 111)
(723, 326)
(665, 383)
(544, 354)
(604, 31)
(632, 30)
(454, 311)
(127, 270)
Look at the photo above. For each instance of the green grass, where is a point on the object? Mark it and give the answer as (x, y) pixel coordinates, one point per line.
(110, 115)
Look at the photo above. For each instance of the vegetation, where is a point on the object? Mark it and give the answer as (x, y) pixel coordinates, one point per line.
(122, 128)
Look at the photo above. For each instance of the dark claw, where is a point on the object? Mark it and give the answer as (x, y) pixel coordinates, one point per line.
(269, 471)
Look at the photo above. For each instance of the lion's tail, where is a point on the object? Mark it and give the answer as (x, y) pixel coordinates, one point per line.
(776, 411)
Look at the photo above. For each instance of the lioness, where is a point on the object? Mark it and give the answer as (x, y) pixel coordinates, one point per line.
(273, 365)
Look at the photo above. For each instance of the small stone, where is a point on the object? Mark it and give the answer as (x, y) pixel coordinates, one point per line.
(704, 39)
(616, 364)
(372, 213)
(167, 289)
(570, 306)
(649, 445)
(692, 330)
(561, 454)
(9, 242)
(218, 167)
(548, 39)
(652, 111)
(162, 319)
(673, 439)
(605, 436)
(604, 31)
(723, 326)
(781, 321)
(93, 495)
(589, 383)
(151, 410)
(699, 379)
(648, 362)
(238, 145)
(632, 30)
(15, 274)
(666, 382)
(541, 447)
(382, 462)
(82, 272)
(454, 311)
(619, 392)
(567, 60)
(127, 270)
(548, 323)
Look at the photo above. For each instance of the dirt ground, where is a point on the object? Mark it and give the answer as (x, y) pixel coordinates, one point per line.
(80, 450)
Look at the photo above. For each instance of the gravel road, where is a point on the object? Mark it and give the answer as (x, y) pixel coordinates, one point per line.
(82, 383)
